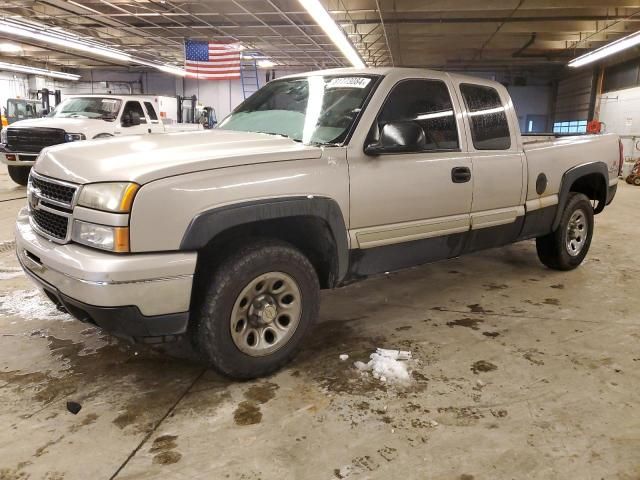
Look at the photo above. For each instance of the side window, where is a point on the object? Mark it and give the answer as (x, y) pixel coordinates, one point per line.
(151, 111)
(134, 107)
(428, 103)
(489, 126)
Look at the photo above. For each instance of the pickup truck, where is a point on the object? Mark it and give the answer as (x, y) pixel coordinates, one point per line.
(315, 181)
(80, 117)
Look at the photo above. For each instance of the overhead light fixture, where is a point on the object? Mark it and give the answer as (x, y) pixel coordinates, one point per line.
(69, 40)
(607, 50)
(12, 67)
(330, 27)
(61, 39)
(10, 48)
(266, 63)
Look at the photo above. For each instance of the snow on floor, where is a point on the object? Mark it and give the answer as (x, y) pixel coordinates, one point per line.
(30, 304)
(391, 366)
(10, 274)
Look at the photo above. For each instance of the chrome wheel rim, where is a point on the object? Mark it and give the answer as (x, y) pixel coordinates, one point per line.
(577, 231)
(266, 314)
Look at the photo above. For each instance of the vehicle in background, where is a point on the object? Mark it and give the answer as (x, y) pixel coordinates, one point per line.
(22, 109)
(86, 117)
(634, 177)
(315, 181)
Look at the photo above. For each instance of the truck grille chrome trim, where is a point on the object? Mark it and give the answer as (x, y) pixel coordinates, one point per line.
(51, 205)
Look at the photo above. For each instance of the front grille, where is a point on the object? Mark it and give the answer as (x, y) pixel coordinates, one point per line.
(50, 223)
(53, 191)
(33, 139)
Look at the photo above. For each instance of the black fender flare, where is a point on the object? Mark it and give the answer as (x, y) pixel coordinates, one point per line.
(573, 174)
(205, 226)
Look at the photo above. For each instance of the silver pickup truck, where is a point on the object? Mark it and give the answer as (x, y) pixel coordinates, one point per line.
(315, 181)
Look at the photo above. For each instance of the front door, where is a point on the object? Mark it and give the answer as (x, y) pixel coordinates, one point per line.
(132, 109)
(410, 208)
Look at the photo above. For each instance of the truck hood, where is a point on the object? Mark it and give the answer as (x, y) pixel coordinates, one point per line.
(144, 158)
(88, 126)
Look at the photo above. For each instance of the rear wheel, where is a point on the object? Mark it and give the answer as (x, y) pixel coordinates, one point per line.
(256, 309)
(20, 175)
(636, 181)
(566, 247)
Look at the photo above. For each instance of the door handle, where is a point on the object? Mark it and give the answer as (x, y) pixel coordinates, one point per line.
(460, 174)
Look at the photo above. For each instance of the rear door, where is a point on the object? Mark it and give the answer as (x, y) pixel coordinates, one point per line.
(497, 210)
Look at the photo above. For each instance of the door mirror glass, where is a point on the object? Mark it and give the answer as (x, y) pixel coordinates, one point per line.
(398, 137)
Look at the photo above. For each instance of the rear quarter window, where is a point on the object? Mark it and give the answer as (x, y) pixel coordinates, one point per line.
(151, 111)
(487, 117)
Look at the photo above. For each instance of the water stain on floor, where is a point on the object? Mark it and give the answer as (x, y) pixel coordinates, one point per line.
(248, 412)
(477, 308)
(163, 447)
(483, 366)
(471, 323)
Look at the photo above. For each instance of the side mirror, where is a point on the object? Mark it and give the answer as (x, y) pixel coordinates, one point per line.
(398, 137)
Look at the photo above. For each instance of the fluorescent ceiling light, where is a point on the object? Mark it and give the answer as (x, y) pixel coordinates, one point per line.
(10, 48)
(324, 20)
(65, 40)
(610, 49)
(12, 67)
(265, 63)
(68, 40)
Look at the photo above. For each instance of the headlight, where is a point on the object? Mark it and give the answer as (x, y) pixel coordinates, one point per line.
(110, 197)
(3, 136)
(74, 137)
(113, 239)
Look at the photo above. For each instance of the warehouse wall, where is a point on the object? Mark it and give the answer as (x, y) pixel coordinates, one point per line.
(532, 101)
(18, 85)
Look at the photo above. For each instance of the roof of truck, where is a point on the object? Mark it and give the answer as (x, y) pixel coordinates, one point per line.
(383, 71)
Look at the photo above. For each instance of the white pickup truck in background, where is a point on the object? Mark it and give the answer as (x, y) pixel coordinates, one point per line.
(86, 117)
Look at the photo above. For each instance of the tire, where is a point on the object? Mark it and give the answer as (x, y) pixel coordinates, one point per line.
(20, 175)
(636, 181)
(218, 332)
(557, 250)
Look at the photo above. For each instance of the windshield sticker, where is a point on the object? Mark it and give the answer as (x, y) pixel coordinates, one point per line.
(348, 82)
(108, 100)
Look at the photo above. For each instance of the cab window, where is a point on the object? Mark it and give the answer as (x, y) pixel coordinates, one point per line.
(151, 111)
(134, 107)
(427, 103)
(487, 117)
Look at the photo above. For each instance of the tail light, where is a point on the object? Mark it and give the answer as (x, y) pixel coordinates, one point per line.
(621, 161)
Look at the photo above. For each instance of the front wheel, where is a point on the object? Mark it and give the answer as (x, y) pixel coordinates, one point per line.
(255, 310)
(20, 175)
(566, 247)
(636, 181)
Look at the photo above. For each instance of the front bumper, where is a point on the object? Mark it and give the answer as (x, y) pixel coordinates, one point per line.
(134, 295)
(24, 159)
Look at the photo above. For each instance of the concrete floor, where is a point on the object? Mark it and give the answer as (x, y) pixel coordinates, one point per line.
(555, 395)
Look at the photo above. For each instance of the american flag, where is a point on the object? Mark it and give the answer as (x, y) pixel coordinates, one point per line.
(211, 60)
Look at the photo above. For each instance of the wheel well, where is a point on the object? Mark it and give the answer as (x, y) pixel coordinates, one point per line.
(594, 187)
(311, 235)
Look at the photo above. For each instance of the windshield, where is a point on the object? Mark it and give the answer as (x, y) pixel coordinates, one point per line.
(88, 107)
(22, 109)
(313, 110)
